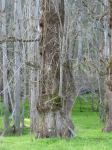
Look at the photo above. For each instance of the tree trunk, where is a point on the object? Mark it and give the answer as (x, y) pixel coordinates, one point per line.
(54, 108)
(33, 60)
(108, 98)
(17, 52)
(5, 66)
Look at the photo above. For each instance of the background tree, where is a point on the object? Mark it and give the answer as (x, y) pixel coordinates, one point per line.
(5, 69)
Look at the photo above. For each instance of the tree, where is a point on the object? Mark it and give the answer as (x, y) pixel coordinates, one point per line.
(54, 100)
(108, 95)
(17, 50)
(5, 66)
(33, 60)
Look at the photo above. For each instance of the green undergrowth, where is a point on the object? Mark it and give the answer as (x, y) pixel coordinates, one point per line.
(88, 129)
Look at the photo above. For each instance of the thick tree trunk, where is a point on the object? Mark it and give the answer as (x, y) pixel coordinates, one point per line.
(108, 98)
(54, 108)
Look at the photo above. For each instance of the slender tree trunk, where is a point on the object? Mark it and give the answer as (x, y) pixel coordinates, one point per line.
(33, 59)
(80, 38)
(106, 51)
(5, 66)
(17, 50)
(10, 49)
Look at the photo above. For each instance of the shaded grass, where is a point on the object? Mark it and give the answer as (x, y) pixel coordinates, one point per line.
(88, 135)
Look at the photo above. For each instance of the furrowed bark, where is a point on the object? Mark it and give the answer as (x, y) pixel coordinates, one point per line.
(53, 106)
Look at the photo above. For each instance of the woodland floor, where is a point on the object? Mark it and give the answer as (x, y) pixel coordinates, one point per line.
(88, 135)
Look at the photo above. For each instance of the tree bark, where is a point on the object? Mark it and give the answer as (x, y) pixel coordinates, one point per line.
(33, 58)
(17, 52)
(54, 108)
(108, 97)
(5, 66)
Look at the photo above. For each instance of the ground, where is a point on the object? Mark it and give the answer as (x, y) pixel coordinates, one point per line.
(89, 135)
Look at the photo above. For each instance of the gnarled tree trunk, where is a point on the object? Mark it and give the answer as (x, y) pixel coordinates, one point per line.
(54, 108)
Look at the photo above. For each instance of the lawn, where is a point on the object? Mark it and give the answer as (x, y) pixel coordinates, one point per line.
(89, 135)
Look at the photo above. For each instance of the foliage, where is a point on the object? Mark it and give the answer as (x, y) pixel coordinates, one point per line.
(88, 129)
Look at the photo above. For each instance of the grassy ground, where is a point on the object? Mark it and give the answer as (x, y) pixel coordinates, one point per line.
(88, 135)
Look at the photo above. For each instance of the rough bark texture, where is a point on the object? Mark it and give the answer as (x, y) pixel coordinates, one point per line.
(108, 98)
(53, 109)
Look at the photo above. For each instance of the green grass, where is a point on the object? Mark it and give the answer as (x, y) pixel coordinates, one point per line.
(88, 135)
